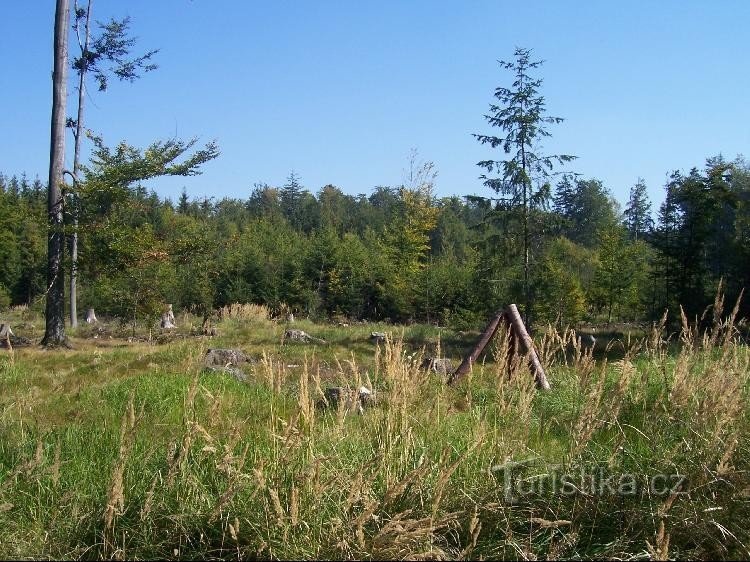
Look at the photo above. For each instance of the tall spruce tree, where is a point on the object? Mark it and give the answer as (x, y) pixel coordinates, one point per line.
(520, 112)
(637, 213)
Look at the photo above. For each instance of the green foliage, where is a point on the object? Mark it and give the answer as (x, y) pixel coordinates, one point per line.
(132, 451)
(637, 213)
(107, 53)
(4, 297)
(701, 235)
(561, 295)
(587, 209)
(621, 275)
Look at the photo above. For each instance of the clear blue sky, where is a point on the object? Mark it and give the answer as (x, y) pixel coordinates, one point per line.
(340, 91)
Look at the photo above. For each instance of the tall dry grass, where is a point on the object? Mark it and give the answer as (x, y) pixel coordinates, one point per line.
(212, 467)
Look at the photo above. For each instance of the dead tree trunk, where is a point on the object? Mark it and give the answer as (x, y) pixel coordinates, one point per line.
(54, 331)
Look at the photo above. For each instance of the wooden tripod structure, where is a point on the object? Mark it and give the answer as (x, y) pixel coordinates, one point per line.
(512, 318)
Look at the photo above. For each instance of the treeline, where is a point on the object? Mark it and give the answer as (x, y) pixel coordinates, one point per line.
(397, 254)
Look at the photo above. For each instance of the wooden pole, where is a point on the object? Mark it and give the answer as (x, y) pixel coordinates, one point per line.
(470, 359)
(527, 345)
(518, 333)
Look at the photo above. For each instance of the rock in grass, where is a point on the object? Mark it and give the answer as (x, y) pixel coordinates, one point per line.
(439, 365)
(349, 399)
(222, 357)
(300, 336)
(227, 361)
(378, 337)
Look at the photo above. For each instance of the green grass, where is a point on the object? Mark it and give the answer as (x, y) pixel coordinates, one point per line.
(131, 450)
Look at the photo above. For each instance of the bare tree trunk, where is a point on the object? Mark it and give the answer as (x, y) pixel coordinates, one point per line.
(76, 161)
(54, 331)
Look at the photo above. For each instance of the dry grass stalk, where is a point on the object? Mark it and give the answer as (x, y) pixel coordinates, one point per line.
(244, 311)
(234, 485)
(403, 537)
(590, 418)
(116, 491)
(56, 463)
(447, 471)
(149, 501)
(656, 345)
(475, 528)
(26, 467)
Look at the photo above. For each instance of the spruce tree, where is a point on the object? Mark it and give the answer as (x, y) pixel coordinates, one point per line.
(638, 219)
(520, 112)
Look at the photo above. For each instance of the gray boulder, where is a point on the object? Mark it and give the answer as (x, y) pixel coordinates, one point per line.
(227, 361)
(300, 336)
(439, 365)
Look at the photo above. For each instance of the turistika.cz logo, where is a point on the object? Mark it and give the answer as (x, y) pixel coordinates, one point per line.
(520, 481)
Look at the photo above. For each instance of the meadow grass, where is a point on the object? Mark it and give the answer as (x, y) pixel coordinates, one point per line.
(132, 450)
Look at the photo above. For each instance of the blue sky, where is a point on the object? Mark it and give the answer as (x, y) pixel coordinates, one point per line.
(340, 91)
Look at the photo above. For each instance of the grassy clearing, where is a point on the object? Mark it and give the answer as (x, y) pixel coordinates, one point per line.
(117, 450)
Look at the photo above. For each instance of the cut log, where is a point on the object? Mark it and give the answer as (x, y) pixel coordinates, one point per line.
(91, 316)
(378, 337)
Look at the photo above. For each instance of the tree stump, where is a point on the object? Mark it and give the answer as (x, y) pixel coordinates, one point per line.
(167, 319)
(91, 316)
(5, 334)
(227, 361)
(348, 399)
